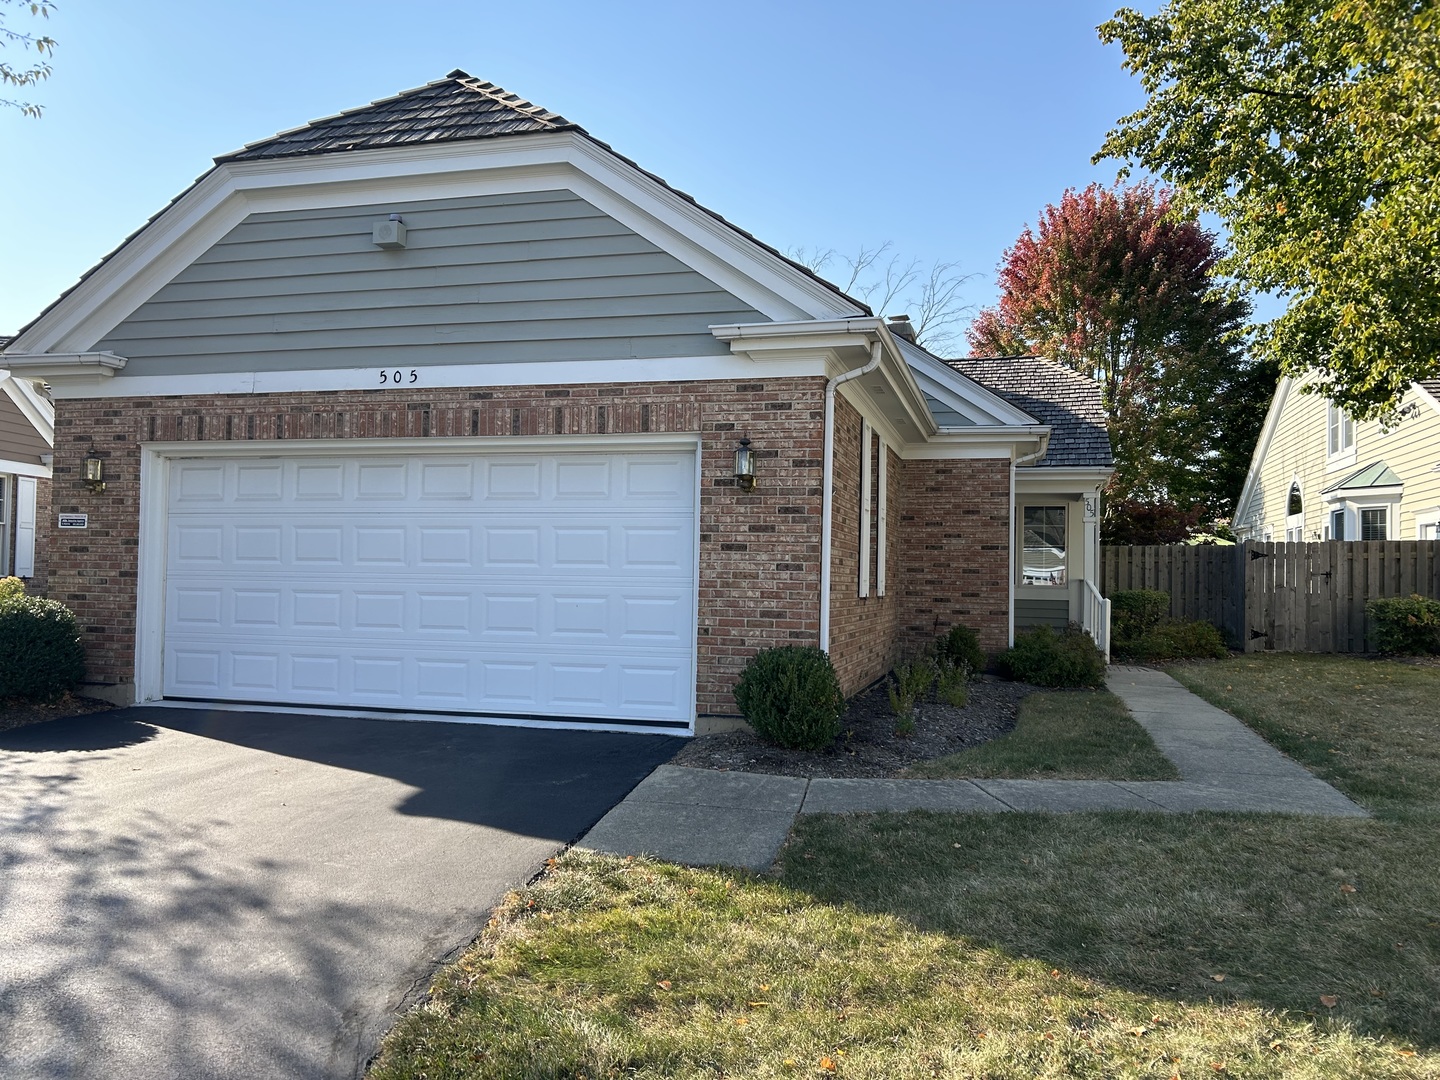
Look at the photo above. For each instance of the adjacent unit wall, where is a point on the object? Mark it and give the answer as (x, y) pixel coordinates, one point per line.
(485, 279)
(759, 551)
(1298, 450)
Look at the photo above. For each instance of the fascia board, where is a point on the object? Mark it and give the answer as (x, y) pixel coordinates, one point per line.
(32, 404)
(1037, 477)
(1262, 445)
(965, 395)
(992, 440)
(25, 468)
(222, 198)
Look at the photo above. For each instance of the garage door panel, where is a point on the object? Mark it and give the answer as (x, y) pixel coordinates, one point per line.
(559, 584)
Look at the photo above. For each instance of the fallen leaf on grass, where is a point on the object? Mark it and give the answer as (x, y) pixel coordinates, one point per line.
(1218, 978)
(663, 984)
(1054, 973)
(1347, 888)
(828, 1064)
(1406, 1053)
(757, 1004)
(1329, 1000)
(1137, 1031)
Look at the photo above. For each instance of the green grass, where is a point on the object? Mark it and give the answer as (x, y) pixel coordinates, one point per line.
(1370, 727)
(1001, 946)
(1066, 734)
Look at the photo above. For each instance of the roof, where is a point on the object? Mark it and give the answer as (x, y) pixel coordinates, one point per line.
(1431, 387)
(456, 108)
(451, 109)
(1376, 474)
(1055, 395)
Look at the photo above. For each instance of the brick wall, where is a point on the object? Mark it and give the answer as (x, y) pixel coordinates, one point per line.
(863, 640)
(955, 556)
(759, 551)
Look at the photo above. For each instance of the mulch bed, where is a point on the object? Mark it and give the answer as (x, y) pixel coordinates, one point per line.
(15, 714)
(868, 745)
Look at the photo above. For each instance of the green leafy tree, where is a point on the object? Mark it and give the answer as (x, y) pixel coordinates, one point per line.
(1312, 128)
(1117, 286)
(42, 45)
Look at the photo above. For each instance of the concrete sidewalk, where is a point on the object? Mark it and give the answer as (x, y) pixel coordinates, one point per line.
(703, 817)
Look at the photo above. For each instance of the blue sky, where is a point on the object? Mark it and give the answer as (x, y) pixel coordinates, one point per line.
(941, 127)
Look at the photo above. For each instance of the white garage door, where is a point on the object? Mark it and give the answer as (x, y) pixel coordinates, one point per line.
(557, 585)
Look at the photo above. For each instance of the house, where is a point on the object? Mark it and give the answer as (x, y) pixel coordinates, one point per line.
(442, 407)
(1316, 474)
(27, 432)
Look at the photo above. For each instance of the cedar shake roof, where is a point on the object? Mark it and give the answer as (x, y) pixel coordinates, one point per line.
(1055, 395)
(456, 108)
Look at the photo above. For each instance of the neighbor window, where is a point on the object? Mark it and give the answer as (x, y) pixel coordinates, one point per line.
(1296, 505)
(1372, 524)
(1337, 525)
(1342, 431)
(1043, 546)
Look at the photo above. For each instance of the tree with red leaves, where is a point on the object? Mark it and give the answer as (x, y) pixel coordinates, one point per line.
(1118, 286)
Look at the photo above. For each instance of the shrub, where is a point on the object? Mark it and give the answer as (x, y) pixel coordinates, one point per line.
(1176, 639)
(11, 587)
(1066, 659)
(906, 687)
(1135, 612)
(40, 652)
(953, 683)
(962, 646)
(1409, 624)
(791, 697)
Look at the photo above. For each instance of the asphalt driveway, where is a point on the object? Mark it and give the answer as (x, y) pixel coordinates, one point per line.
(202, 894)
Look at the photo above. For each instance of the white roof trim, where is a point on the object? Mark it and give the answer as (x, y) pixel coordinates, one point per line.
(36, 407)
(967, 397)
(229, 193)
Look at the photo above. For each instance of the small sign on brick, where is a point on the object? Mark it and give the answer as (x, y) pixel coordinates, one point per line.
(74, 521)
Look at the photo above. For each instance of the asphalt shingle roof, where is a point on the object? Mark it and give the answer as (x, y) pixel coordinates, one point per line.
(1053, 394)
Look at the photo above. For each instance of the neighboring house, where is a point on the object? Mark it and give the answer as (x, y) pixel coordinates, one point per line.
(1316, 474)
(27, 432)
(442, 407)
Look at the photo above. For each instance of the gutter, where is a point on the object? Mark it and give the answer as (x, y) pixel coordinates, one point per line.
(877, 353)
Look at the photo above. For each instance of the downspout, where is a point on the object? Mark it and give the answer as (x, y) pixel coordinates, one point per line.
(877, 353)
(1014, 464)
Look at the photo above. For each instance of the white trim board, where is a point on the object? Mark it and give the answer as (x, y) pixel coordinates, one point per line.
(433, 376)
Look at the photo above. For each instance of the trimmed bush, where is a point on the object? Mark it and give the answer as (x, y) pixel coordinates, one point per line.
(1176, 639)
(1135, 612)
(11, 587)
(961, 646)
(791, 697)
(40, 652)
(1409, 624)
(1043, 657)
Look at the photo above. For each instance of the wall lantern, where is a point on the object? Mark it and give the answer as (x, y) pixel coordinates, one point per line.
(95, 472)
(745, 465)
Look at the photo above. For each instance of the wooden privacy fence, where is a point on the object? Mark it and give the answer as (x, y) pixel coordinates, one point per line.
(1288, 597)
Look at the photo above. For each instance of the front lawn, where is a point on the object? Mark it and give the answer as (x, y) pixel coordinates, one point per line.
(1006, 945)
(1062, 735)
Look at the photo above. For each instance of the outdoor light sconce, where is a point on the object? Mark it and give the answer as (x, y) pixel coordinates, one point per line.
(745, 465)
(95, 473)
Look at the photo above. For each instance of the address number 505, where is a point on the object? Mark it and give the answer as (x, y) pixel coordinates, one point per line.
(395, 377)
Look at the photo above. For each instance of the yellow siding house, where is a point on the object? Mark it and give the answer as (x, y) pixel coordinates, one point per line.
(1318, 475)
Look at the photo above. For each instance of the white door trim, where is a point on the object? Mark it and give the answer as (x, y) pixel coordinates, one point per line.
(155, 461)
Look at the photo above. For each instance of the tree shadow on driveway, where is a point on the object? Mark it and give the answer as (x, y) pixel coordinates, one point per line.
(204, 894)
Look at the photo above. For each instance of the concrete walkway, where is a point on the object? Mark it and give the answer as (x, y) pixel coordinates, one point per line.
(703, 817)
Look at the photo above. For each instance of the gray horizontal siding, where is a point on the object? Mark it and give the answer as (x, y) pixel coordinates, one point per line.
(487, 279)
(1031, 612)
(19, 441)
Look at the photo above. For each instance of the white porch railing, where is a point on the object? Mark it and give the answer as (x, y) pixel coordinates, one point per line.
(1095, 616)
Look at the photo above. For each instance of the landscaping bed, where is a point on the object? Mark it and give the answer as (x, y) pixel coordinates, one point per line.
(14, 714)
(868, 745)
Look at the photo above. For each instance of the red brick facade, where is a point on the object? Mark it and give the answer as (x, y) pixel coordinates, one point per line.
(955, 560)
(948, 521)
(759, 551)
(864, 643)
